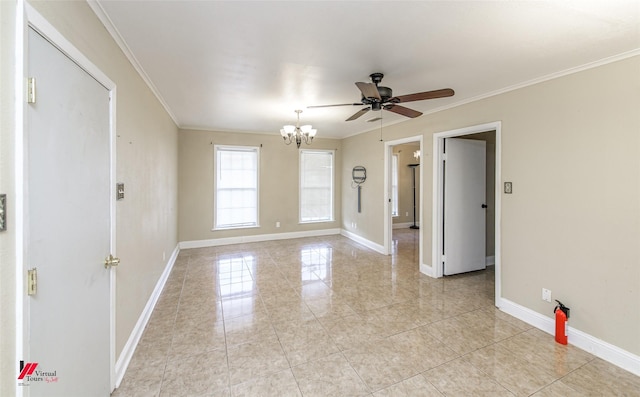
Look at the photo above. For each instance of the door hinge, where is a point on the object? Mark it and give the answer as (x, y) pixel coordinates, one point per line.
(31, 90)
(32, 281)
(443, 157)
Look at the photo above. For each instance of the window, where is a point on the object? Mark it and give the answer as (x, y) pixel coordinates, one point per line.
(394, 185)
(236, 189)
(316, 185)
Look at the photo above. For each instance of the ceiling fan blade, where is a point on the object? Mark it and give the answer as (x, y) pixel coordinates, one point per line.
(358, 114)
(330, 106)
(420, 96)
(403, 111)
(369, 90)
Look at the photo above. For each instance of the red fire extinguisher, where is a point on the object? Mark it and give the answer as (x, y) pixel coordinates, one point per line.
(562, 325)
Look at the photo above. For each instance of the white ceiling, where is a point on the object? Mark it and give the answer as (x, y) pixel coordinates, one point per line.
(246, 66)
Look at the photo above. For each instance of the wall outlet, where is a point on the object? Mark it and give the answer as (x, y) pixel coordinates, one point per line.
(277, 224)
(546, 295)
(164, 255)
(508, 187)
(406, 214)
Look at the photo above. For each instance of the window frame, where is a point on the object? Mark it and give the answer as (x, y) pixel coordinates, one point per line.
(333, 185)
(240, 148)
(395, 195)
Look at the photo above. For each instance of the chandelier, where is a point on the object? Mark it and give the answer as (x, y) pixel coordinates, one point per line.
(298, 134)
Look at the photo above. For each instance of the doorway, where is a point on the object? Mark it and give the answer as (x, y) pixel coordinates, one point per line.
(68, 219)
(403, 156)
(489, 133)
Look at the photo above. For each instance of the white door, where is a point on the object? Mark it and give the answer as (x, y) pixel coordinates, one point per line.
(464, 205)
(69, 220)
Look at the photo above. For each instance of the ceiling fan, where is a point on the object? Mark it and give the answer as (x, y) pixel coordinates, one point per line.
(377, 97)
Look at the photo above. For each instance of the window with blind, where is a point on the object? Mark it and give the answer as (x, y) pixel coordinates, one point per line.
(394, 185)
(236, 187)
(316, 185)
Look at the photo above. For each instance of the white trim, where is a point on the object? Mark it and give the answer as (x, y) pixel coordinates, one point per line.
(115, 34)
(584, 341)
(437, 188)
(113, 249)
(255, 238)
(22, 310)
(427, 270)
(490, 260)
(136, 333)
(43, 27)
(497, 202)
(361, 240)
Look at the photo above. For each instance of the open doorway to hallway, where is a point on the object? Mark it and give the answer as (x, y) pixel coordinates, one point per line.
(403, 187)
(405, 199)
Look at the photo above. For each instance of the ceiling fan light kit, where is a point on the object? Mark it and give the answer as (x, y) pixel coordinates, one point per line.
(297, 134)
(376, 97)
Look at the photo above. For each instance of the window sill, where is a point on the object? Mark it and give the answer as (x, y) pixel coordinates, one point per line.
(217, 229)
(322, 221)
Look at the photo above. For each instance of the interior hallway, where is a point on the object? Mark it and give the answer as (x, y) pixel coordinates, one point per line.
(325, 316)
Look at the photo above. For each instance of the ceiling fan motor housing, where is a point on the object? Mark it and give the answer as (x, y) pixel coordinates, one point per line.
(385, 94)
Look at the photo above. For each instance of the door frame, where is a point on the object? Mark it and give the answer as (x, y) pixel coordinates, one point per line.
(27, 17)
(438, 202)
(388, 221)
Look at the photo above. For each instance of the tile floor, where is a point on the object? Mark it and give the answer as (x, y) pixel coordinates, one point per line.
(325, 316)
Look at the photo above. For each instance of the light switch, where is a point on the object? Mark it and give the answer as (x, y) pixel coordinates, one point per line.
(508, 188)
(119, 191)
(3, 212)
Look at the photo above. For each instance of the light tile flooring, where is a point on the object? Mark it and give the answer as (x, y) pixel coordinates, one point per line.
(325, 316)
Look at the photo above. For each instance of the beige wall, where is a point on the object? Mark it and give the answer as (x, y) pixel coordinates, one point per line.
(147, 150)
(8, 358)
(571, 147)
(405, 183)
(278, 181)
(365, 150)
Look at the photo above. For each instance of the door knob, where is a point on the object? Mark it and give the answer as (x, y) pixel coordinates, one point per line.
(484, 206)
(111, 261)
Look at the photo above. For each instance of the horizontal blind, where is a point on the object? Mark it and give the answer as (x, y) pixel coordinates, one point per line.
(316, 185)
(236, 201)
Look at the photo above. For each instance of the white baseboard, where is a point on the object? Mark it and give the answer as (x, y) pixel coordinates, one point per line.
(427, 270)
(127, 352)
(490, 260)
(255, 238)
(361, 240)
(584, 341)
